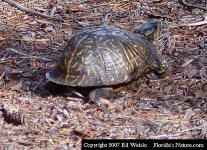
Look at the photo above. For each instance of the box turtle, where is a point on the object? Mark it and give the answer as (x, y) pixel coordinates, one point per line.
(102, 57)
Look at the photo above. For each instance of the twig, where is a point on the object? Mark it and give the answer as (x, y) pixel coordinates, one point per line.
(28, 40)
(29, 56)
(2, 60)
(194, 6)
(187, 63)
(1, 77)
(197, 23)
(173, 134)
(14, 4)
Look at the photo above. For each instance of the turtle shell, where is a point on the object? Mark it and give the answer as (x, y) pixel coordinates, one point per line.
(103, 55)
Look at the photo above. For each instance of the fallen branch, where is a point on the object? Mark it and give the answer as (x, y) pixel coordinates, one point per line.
(18, 6)
(193, 6)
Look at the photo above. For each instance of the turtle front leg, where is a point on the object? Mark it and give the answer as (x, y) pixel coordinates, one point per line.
(97, 94)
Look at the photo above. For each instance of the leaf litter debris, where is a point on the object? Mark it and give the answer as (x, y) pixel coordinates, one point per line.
(170, 108)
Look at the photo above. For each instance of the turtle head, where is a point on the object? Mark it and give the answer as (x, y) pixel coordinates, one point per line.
(150, 30)
(161, 68)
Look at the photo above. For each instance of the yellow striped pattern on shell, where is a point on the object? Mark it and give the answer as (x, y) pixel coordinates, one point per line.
(99, 56)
